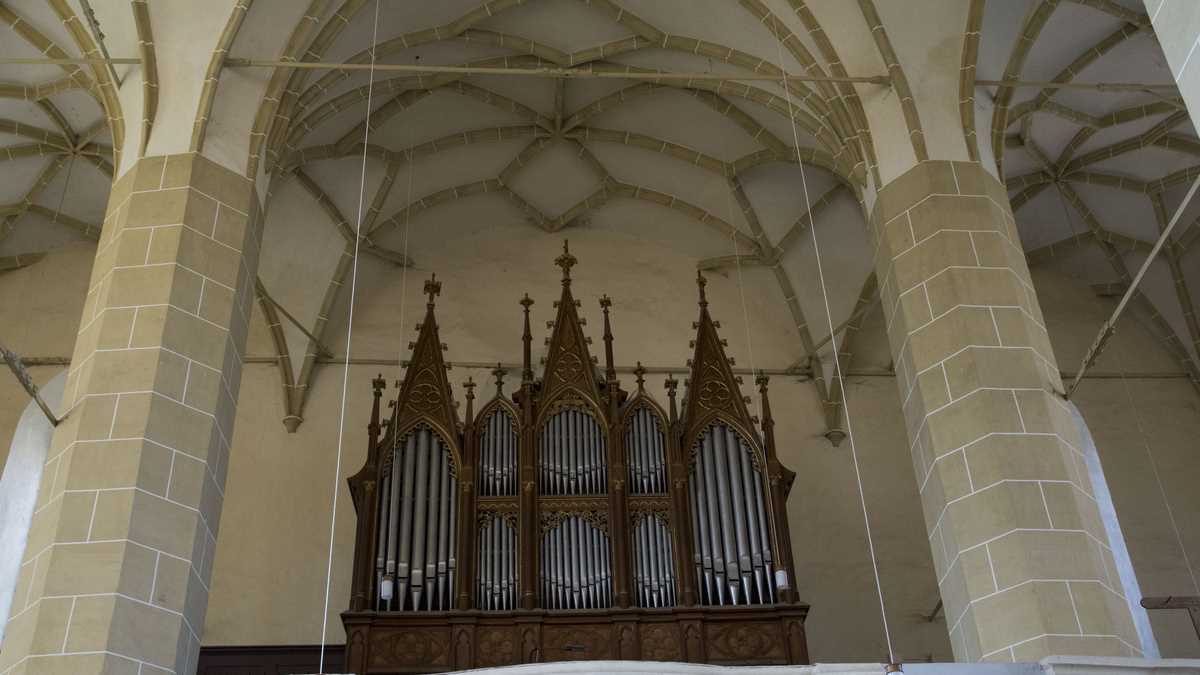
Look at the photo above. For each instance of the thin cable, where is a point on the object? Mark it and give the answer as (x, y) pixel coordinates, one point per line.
(812, 226)
(737, 261)
(404, 270)
(1137, 416)
(62, 198)
(337, 471)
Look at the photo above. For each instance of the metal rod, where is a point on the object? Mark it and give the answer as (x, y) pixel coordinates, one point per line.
(18, 370)
(546, 72)
(23, 61)
(1096, 86)
(322, 350)
(937, 609)
(89, 15)
(862, 311)
(1109, 326)
(581, 73)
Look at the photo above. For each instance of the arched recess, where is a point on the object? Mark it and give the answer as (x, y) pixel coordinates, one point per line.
(19, 488)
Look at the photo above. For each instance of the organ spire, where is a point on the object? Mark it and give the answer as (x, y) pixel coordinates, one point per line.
(568, 361)
(713, 391)
(425, 393)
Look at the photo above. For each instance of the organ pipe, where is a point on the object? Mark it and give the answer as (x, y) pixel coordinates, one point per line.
(734, 565)
(415, 554)
(496, 585)
(572, 459)
(498, 455)
(576, 565)
(645, 446)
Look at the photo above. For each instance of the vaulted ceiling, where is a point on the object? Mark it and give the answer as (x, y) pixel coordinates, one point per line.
(708, 168)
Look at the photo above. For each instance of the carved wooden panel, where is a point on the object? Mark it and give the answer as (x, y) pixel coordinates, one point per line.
(497, 646)
(746, 641)
(409, 648)
(577, 642)
(660, 642)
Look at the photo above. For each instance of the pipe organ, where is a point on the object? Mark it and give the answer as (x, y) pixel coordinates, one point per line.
(570, 520)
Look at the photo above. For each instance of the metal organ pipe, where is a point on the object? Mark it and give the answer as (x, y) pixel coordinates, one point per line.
(647, 461)
(415, 556)
(496, 586)
(498, 456)
(572, 459)
(576, 571)
(729, 519)
(654, 577)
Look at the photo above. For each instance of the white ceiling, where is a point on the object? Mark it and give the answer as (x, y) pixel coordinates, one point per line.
(302, 249)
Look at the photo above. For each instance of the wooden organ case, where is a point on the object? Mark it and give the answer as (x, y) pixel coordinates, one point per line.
(571, 521)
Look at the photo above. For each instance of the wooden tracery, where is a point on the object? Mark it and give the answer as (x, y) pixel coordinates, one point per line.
(584, 522)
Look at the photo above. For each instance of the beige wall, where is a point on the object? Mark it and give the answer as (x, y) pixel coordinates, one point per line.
(269, 578)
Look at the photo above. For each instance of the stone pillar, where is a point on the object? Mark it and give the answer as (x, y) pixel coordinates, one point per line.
(1020, 552)
(1177, 27)
(116, 573)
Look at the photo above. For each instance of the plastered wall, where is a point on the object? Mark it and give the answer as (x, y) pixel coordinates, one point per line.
(269, 579)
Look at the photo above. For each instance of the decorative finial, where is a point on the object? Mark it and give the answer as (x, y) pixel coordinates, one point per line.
(566, 261)
(701, 282)
(641, 376)
(526, 302)
(499, 373)
(433, 288)
(378, 383)
(469, 385)
(605, 303)
(761, 379)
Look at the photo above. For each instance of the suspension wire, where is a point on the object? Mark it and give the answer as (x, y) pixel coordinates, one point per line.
(1137, 416)
(737, 260)
(62, 198)
(404, 270)
(337, 471)
(812, 226)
